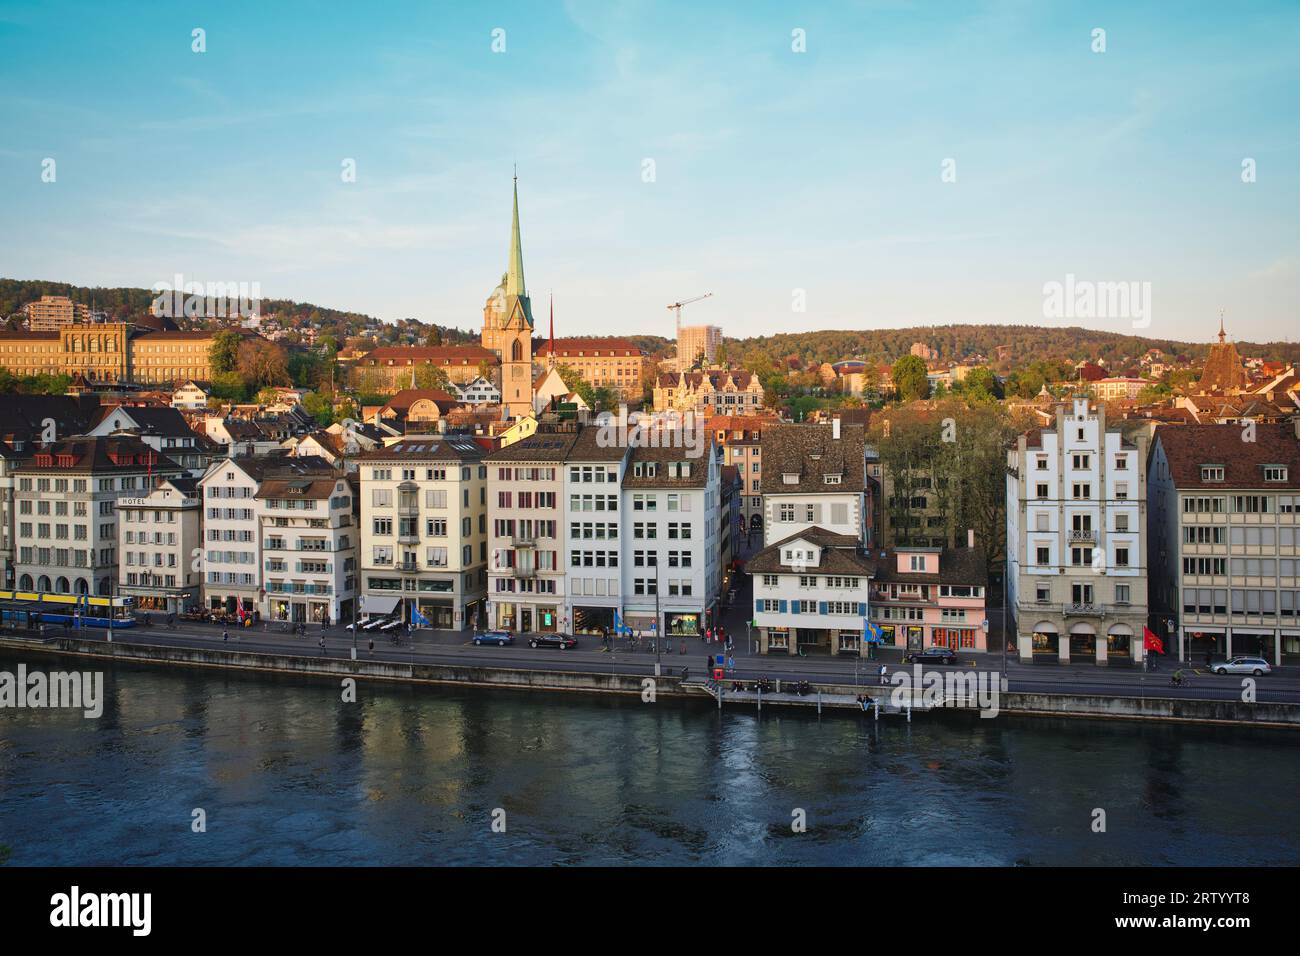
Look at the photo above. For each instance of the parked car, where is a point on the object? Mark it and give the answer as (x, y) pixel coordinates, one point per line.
(499, 638)
(931, 655)
(1243, 665)
(562, 641)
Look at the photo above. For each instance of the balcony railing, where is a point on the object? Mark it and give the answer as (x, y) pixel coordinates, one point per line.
(524, 540)
(1083, 534)
(1082, 609)
(524, 572)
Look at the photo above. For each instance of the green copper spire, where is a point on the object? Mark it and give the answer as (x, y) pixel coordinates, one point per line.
(515, 274)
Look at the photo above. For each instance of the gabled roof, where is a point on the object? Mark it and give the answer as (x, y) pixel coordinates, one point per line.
(403, 400)
(164, 421)
(810, 453)
(100, 454)
(1188, 447)
(840, 555)
(956, 566)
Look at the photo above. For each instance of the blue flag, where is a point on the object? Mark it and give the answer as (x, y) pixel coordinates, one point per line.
(418, 618)
(871, 633)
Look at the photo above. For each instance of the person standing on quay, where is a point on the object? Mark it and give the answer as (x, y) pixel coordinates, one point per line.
(225, 635)
(372, 647)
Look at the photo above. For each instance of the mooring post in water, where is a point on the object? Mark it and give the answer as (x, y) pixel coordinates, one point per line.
(719, 695)
(909, 711)
(877, 703)
(760, 698)
(819, 703)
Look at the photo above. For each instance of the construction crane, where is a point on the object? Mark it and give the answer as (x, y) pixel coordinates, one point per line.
(677, 307)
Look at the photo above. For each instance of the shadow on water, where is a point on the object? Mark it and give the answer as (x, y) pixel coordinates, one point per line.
(288, 773)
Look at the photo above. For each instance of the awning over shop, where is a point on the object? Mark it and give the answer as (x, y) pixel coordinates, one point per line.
(379, 604)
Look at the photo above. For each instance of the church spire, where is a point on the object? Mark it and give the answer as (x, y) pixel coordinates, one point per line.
(515, 273)
(550, 354)
(1222, 335)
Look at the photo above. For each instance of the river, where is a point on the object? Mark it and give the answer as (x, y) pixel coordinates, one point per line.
(287, 773)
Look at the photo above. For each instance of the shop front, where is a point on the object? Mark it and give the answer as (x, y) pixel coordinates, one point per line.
(596, 621)
(774, 640)
(528, 618)
(1201, 641)
(1083, 643)
(957, 638)
(1044, 643)
(1252, 644)
(1119, 644)
(505, 615)
(848, 642)
(439, 612)
(682, 623)
(914, 635)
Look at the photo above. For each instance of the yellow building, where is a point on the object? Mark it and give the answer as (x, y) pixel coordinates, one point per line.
(611, 363)
(111, 352)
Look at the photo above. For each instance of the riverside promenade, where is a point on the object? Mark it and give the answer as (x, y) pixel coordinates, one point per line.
(452, 657)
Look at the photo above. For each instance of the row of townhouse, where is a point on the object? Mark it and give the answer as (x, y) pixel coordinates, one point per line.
(278, 538)
(1192, 533)
(585, 533)
(817, 584)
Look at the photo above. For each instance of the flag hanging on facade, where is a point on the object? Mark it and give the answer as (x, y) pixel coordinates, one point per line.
(1151, 642)
(871, 633)
(418, 619)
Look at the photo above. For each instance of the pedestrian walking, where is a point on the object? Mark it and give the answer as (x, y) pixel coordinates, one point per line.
(322, 645)
(225, 635)
(882, 673)
(731, 664)
(372, 647)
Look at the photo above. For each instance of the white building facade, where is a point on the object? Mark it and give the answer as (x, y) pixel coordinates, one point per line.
(1076, 540)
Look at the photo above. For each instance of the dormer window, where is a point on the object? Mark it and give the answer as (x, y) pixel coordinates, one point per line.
(1211, 473)
(790, 478)
(832, 479)
(1275, 473)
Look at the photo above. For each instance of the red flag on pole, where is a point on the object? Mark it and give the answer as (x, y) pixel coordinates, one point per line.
(1152, 643)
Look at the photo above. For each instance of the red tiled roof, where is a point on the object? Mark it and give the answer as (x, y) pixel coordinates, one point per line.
(1188, 447)
(606, 347)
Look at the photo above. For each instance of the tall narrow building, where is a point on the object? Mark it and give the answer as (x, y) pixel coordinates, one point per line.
(508, 327)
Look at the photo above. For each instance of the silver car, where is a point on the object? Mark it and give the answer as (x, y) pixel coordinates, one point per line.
(1243, 665)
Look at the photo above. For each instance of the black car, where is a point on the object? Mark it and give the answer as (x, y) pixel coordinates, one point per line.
(931, 655)
(562, 641)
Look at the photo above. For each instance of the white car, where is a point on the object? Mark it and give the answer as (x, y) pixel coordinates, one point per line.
(1243, 665)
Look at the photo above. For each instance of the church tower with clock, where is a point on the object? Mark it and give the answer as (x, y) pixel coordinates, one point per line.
(508, 327)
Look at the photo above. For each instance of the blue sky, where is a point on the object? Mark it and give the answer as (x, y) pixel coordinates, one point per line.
(775, 171)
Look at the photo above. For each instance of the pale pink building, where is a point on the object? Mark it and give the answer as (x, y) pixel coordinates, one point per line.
(930, 597)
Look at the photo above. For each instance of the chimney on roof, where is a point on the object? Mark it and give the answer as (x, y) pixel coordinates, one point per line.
(835, 428)
(970, 537)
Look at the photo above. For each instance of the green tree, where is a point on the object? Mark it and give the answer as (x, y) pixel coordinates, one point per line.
(430, 376)
(981, 385)
(909, 375)
(229, 387)
(574, 382)
(319, 407)
(224, 353)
